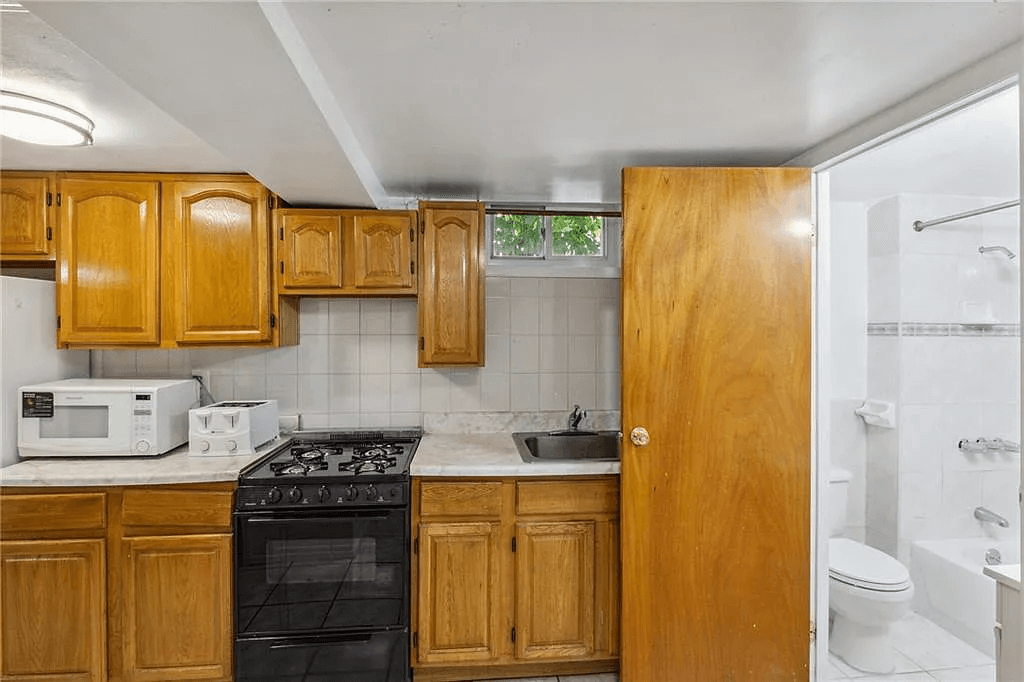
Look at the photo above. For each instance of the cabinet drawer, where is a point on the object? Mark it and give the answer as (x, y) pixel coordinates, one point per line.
(181, 509)
(53, 512)
(567, 497)
(480, 499)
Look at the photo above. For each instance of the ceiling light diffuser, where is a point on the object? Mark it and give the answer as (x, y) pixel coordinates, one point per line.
(39, 121)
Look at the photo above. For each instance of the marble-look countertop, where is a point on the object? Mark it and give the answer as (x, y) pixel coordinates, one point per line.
(491, 454)
(177, 466)
(1007, 574)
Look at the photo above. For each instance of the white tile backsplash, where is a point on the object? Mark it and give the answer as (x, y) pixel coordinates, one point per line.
(356, 362)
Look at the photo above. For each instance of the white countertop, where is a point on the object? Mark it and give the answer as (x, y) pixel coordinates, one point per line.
(177, 466)
(1007, 574)
(491, 454)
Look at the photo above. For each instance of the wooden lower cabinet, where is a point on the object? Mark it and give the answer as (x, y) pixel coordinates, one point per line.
(127, 584)
(514, 578)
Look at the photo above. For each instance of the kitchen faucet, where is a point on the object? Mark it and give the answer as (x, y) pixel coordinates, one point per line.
(989, 516)
(575, 417)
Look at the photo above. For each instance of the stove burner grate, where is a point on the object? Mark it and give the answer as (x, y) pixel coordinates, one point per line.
(375, 451)
(377, 464)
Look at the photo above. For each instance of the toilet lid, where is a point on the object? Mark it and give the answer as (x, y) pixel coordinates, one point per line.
(857, 564)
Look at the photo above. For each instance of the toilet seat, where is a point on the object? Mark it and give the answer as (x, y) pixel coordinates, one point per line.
(865, 567)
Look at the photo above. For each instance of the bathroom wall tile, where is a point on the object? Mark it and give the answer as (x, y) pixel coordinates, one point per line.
(961, 493)
(283, 360)
(949, 239)
(284, 388)
(525, 392)
(921, 438)
(883, 227)
(314, 316)
(525, 287)
(959, 421)
(525, 353)
(314, 393)
(883, 288)
(343, 390)
(925, 376)
(405, 393)
(929, 288)
(553, 316)
(498, 316)
(343, 314)
(374, 316)
(884, 368)
(553, 287)
(525, 315)
(498, 287)
(999, 494)
(374, 353)
(403, 316)
(848, 449)
(314, 354)
(554, 391)
(582, 316)
(374, 393)
(580, 288)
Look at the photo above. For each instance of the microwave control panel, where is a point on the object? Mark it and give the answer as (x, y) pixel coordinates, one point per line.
(142, 422)
(37, 404)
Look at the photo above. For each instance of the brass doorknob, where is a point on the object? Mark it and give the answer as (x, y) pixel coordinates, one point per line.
(639, 436)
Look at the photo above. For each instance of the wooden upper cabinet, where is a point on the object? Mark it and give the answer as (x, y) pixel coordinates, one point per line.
(451, 296)
(309, 250)
(54, 611)
(383, 251)
(108, 285)
(217, 270)
(26, 217)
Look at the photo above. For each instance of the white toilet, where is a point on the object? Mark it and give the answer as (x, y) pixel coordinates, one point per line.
(868, 590)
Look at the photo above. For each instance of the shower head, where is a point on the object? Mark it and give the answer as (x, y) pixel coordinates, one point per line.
(1002, 249)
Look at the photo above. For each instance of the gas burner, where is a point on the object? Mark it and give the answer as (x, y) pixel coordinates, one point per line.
(294, 467)
(313, 453)
(370, 452)
(378, 464)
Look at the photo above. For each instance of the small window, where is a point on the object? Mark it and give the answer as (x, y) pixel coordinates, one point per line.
(547, 235)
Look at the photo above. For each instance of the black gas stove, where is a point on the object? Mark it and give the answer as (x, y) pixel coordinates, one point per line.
(322, 559)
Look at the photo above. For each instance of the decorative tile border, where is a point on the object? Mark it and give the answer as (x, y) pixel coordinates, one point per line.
(940, 329)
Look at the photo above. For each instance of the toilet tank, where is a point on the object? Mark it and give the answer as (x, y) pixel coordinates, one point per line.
(835, 503)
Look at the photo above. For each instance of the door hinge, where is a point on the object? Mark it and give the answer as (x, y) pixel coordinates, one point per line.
(416, 640)
(58, 198)
(412, 267)
(513, 544)
(273, 320)
(423, 344)
(49, 198)
(49, 234)
(513, 634)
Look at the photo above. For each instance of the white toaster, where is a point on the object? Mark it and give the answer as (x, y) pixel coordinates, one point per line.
(233, 427)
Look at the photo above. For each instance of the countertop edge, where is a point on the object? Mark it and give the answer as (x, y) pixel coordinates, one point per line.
(1005, 574)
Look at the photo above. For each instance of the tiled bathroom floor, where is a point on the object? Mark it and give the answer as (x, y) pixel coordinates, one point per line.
(924, 653)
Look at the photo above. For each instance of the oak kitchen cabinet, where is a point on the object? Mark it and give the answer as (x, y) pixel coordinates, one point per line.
(27, 217)
(451, 296)
(514, 577)
(161, 260)
(127, 584)
(333, 252)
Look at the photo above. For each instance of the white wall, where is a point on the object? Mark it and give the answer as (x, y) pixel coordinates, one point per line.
(551, 343)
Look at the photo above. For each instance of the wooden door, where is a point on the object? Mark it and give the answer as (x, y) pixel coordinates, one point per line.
(460, 593)
(177, 608)
(382, 251)
(26, 230)
(716, 366)
(108, 282)
(311, 251)
(53, 611)
(451, 296)
(218, 235)
(555, 593)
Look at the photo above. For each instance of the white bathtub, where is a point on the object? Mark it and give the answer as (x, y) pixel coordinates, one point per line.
(951, 590)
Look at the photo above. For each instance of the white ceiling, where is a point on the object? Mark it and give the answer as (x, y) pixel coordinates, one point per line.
(348, 103)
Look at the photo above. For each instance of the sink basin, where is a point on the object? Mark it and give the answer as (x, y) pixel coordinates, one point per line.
(545, 446)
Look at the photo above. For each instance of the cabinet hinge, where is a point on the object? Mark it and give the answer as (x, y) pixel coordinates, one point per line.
(49, 198)
(280, 233)
(513, 544)
(412, 267)
(416, 640)
(58, 322)
(423, 344)
(49, 234)
(513, 634)
(270, 202)
(416, 545)
(58, 198)
(282, 267)
(423, 228)
(273, 320)
(412, 234)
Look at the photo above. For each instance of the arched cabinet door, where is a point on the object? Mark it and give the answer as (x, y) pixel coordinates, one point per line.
(382, 251)
(217, 239)
(451, 297)
(26, 222)
(311, 250)
(108, 282)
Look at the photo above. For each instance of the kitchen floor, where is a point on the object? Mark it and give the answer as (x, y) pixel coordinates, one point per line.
(924, 653)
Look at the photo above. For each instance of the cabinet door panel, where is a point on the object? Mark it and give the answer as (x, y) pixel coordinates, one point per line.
(24, 217)
(555, 589)
(451, 305)
(382, 252)
(177, 608)
(220, 276)
(53, 611)
(108, 274)
(312, 251)
(459, 592)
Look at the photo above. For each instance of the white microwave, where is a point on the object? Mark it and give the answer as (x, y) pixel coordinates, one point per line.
(104, 417)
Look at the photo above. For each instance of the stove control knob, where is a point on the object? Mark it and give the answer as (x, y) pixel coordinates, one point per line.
(274, 495)
(324, 493)
(351, 493)
(232, 445)
(294, 495)
(371, 492)
(394, 492)
(204, 446)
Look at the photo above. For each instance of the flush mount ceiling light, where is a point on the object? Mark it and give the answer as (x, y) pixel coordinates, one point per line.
(39, 121)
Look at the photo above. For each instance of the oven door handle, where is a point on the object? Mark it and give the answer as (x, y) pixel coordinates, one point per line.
(322, 641)
(317, 519)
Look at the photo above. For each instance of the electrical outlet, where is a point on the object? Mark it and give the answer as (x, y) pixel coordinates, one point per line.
(206, 389)
(288, 422)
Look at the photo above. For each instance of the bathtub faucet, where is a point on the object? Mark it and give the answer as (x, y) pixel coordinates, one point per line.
(987, 515)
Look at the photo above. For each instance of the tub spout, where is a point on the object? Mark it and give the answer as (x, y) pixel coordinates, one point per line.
(988, 516)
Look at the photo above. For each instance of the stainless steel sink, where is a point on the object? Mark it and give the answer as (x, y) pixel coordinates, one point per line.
(546, 446)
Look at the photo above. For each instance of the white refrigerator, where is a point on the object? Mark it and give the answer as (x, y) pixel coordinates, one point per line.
(28, 351)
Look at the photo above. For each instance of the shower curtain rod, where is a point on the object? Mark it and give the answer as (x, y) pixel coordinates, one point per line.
(920, 225)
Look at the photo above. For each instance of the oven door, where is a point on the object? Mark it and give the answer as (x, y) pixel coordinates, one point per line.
(355, 657)
(321, 571)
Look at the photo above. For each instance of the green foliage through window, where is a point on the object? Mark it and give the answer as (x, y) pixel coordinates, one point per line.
(576, 235)
(571, 235)
(518, 235)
